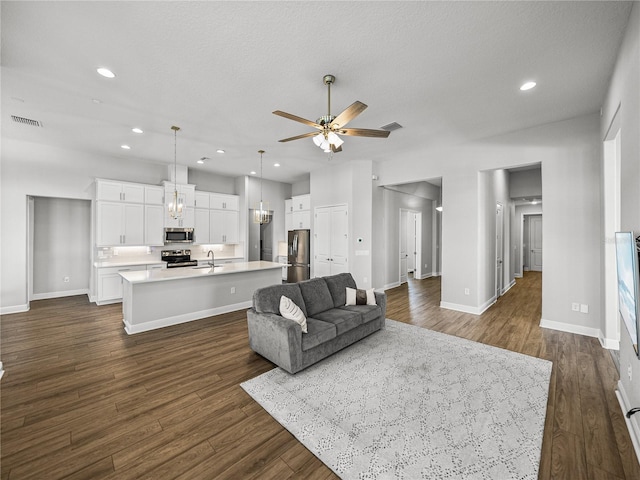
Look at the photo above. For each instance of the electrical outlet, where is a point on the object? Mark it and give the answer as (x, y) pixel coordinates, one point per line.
(575, 307)
(65, 279)
(365, 279)
(466, 291)
(584, 308)
(630, 372)
(425, 265)
(233, 289)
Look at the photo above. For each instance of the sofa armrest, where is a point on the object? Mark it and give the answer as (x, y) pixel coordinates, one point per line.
(381, 300)
(275, 338)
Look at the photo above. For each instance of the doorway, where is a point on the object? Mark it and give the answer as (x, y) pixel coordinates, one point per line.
(410, 240)
(260, 240)
(499, 249)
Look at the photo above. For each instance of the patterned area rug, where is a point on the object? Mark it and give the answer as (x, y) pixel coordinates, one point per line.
(410, 403)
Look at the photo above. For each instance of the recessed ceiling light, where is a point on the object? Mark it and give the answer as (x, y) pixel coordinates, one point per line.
(276, 164)
(137, 130)
(253, 173)
(96, 101)
(527, 86)
(200, 161)
(105, 72)
(219, 151)
(125, 147)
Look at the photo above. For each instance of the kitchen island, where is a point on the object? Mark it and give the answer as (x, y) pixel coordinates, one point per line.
(159, 298)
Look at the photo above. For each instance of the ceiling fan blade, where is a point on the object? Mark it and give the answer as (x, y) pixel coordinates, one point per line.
(364, 132)
(334, 149)
(304, 135)
(348, 114)
(297, 119)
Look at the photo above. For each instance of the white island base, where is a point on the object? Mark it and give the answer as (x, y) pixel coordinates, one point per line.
(159, 298)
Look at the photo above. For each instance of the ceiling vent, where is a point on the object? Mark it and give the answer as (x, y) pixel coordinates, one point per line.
(26, 121)
(390, 127)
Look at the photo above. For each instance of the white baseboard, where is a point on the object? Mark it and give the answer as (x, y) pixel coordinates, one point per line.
(422, 277)
(517, 275)
(570, 328)
(508, 287)
(188, 317)
(1, 370)
(467, 308)
(391, 285)
(64, 293)
(14, 309)
(608, 343)
(632, 423)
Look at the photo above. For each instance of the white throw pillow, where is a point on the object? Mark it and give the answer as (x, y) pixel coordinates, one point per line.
(353, 294)
(291, 311)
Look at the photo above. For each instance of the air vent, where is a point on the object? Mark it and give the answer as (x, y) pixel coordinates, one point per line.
(391, 126)
(26, 121)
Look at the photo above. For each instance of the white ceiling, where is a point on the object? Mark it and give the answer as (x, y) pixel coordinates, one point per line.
(446, 71)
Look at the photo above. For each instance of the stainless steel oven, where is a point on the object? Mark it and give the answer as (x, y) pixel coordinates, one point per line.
(178, 235)
(178, 258)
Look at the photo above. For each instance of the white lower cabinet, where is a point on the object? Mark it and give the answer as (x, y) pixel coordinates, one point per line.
(224, 226)
(110, 283)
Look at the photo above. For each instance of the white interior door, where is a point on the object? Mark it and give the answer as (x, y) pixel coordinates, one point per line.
(339, 240)
(411, 241)
(535, 242)
(322, 243)
(499, 249)
(403, 246)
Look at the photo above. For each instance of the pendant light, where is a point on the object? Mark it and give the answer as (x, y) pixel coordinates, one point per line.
(261, 213)
(175, 206)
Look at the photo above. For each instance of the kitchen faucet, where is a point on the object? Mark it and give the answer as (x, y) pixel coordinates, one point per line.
(213, 259)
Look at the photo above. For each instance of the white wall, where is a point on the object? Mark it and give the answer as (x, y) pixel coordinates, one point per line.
(625, 94)
(517, 238)
(43, 171)
(61, 247)
(273, 193)
(569, 153)
(527, 183)
(393, 201)
(211, 182)
(350, 184)
(301, 187)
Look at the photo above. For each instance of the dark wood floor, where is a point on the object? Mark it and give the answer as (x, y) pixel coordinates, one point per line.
(80, 399)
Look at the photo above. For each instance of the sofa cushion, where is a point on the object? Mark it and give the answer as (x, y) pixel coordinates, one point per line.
(317, 332)
(344, 320)
(291, 311)
(267, 299)
(368, 312)
(337, 285)
(316, 296)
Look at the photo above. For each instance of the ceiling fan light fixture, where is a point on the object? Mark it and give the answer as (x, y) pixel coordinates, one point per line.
(335, 139)
(318, 139)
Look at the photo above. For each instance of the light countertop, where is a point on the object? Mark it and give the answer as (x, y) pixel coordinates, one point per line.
(160, 275)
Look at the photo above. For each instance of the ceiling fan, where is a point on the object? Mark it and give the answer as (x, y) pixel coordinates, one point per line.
(331, 126)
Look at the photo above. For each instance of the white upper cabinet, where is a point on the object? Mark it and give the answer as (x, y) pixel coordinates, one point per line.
(288, 205)
(221, 201)
(119, 224)
(202, 199)
(301, 202)
(113, 191)
(153, 195)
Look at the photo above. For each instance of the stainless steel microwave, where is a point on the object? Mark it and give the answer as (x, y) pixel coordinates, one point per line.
(178, 235)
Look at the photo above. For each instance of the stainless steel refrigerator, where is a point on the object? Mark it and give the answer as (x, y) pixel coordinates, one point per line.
(298, 255)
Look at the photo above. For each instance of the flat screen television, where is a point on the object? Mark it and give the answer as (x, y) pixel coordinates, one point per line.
(628, 283)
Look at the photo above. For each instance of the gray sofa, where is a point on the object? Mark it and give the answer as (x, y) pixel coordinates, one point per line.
(331, 325)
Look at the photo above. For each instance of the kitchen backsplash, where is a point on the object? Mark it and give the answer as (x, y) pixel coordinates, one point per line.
(198, 252)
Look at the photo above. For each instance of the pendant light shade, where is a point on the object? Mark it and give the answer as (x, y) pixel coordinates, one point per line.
(261, 212)
(175, 206)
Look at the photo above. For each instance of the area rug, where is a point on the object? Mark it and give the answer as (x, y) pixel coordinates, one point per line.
(410, 403)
